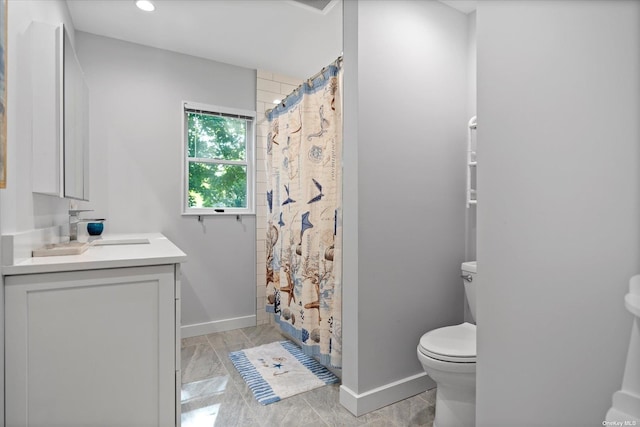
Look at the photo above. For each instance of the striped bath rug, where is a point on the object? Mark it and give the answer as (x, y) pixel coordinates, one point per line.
(278, 370)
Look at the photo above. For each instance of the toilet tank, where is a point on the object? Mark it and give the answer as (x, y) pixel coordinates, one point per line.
(469, 277)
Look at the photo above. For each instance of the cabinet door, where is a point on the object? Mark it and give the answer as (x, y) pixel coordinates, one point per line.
(76, 126)
(91, 348)
(45, 66)
(60, 111)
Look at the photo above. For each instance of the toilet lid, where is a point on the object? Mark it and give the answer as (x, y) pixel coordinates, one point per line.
(451, 343)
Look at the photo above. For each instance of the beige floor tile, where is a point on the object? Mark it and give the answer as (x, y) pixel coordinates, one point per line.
(214, 393)
(199, 362)
(227, 338)
(263, 334)
(411, 412)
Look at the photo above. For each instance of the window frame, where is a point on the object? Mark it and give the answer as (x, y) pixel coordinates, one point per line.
(250, 163)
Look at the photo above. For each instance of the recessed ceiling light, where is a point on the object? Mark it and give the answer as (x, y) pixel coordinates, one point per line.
(145, 5)
(276, 101)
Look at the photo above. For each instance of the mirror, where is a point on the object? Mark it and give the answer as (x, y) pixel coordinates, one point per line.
(60, 129)
(75, 119)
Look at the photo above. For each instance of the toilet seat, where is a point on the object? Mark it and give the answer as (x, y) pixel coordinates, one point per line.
(451, 343)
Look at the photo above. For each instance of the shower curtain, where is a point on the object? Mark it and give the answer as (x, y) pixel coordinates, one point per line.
(304, 196)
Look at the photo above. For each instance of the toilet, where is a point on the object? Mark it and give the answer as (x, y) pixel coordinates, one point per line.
(448, 356)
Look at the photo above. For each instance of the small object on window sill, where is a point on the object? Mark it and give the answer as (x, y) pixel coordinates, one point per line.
(219, 210)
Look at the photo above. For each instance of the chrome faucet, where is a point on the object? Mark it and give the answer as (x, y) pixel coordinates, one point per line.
(74, 220)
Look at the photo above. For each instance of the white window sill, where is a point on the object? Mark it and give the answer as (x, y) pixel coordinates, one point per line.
(226, 212)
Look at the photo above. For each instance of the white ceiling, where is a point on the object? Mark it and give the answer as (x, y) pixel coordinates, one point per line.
(282, 36)
(465, 6)
(276, 35)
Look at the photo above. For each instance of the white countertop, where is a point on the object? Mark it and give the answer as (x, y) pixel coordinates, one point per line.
(158, 251)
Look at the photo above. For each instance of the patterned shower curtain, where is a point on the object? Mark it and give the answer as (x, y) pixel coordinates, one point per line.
(304, 196)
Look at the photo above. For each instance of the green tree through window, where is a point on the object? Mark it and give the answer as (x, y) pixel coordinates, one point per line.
(217, 160)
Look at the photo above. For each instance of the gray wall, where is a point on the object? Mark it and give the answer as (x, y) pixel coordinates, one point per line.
(23, 210)
(558, 218)
(472, 63)
(471, 213)
(404, 181)
(136, 164)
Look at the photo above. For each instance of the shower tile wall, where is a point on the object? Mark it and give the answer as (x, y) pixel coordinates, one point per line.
(270, 86)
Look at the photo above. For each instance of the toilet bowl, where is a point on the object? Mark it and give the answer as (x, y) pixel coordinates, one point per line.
(448, 356)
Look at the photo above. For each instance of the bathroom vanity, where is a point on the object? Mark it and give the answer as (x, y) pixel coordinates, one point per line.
(94, 338)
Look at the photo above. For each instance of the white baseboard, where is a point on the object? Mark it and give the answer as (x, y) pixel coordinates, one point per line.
(360, 404)
(194, 330)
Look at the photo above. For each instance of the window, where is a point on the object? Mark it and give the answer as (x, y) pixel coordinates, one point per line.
(218, 150)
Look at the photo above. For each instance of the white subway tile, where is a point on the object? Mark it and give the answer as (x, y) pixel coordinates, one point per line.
(268, 85)
(286, 89)
(264, 74)
(268, 97)
(287, 79)
(262, 116)
(262, 130)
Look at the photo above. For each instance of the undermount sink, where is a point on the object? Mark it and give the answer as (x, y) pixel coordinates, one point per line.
(106, 242)
(77, 248)
(57, 249)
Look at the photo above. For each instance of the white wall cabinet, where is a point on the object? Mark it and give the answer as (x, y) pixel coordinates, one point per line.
(93, 347)
(60, 103)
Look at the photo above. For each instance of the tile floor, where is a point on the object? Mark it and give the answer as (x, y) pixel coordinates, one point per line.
(214, 394)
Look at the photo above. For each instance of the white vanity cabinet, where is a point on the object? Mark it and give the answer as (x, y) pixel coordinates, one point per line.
(95, 346)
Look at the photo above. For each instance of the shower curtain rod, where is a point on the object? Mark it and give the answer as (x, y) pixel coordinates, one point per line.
(337, 63)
